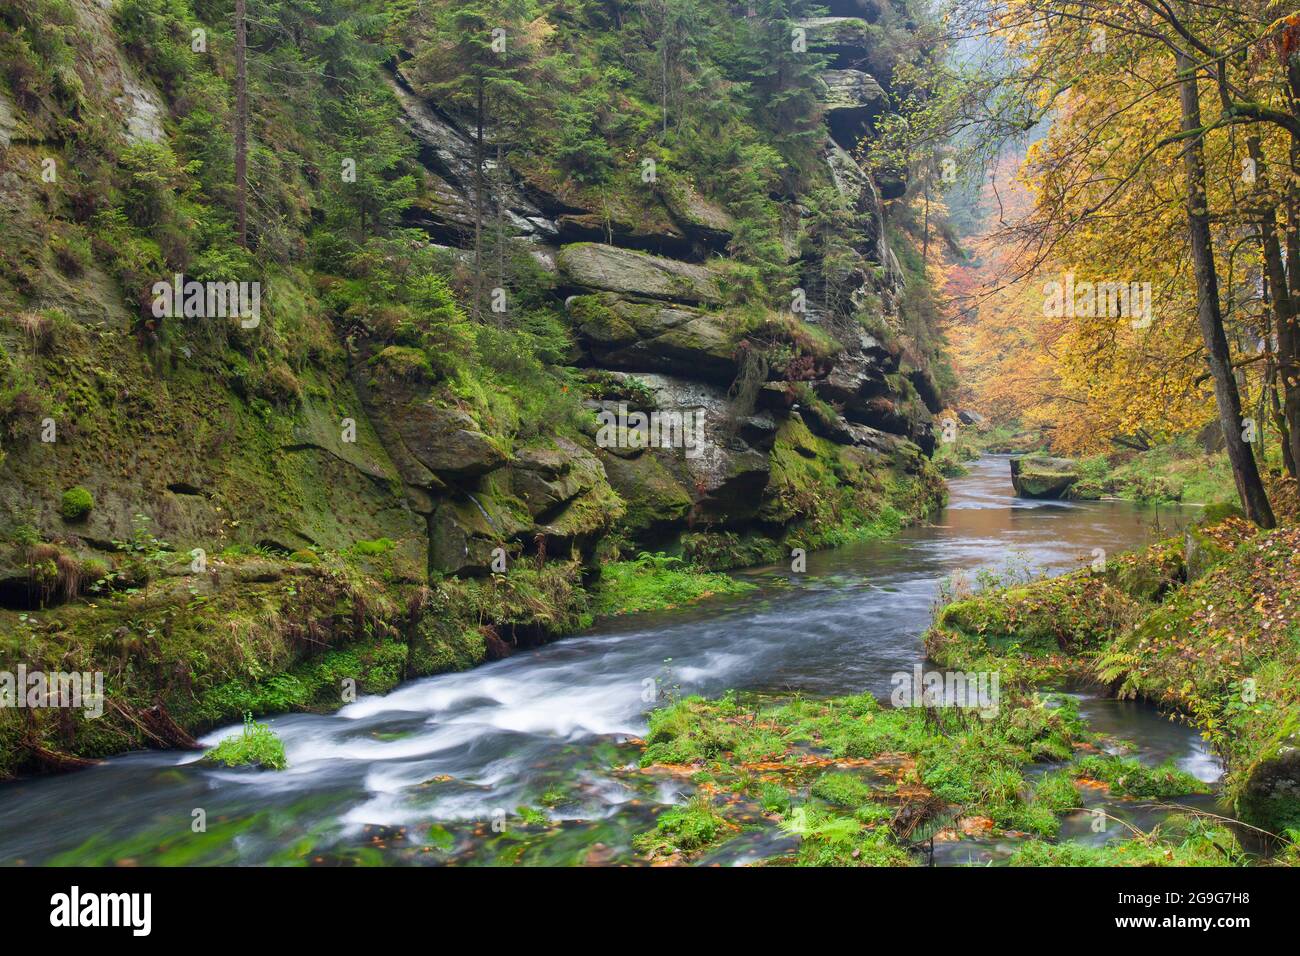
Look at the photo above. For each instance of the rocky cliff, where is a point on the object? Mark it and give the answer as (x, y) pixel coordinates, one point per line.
(374, 480)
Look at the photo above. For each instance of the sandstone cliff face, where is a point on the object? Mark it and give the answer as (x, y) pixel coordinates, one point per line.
(646, 292)
(229, 517)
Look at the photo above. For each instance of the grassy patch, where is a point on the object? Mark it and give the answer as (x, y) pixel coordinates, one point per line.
(1128, 778)
(1182, 840)
(1175, 471)
(683, 829)
(655, 582)
(256, 746)
(1204, 625)
(854, 779)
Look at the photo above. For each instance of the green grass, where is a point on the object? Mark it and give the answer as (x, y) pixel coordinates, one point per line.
(1128, 778)
(256, 746)
(682, 829)
(1182, 840)
(655, 582)
(1175, 471)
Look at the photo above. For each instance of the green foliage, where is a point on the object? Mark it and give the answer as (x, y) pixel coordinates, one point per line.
(682, 829)
(655, 582)
(371, 549)
(257, 746)
(1178, 470)
(842, 789)
(1057, 791)
(1182, 840)
(1128, 778)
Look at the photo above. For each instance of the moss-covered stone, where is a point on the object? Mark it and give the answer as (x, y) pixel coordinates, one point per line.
(1043, 477)
(76, 503)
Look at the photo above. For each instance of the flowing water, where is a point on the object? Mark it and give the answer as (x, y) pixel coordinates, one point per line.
(435, 771)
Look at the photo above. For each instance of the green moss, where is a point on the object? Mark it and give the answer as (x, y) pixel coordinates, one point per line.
(656, 582)
(1200, 625)
(371, 549)
(1182, 840)
(842, 790)
(76, 503)
(404, 362)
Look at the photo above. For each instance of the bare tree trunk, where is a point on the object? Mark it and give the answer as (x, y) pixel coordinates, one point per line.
(1208, 311)
(478, 203)
(1288, 327)
(1283, 427)
(1279, 294)
(499, 199)
(241, 123)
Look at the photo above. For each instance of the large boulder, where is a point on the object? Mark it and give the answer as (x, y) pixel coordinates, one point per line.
(466, 528)
(858, 380)
(654, 336)
(851, 99)
(726, 467)
(1041, 476)
(429, 442)
(831, 33)
(592, 265)
(851, 90)
(566, 490)
(701, 218)
(448, 201)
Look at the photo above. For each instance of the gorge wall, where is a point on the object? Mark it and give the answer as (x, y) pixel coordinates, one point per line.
(227, 517)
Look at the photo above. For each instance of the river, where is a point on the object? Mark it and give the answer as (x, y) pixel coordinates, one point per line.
(435, 771)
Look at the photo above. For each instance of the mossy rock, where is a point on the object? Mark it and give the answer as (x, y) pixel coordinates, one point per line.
(1270, 797)
(1042, 476)
(1201, 552)
(76, 503)
(596, 266)
(655, 495)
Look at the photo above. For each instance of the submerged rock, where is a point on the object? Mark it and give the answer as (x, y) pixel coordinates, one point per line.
(1041, 476)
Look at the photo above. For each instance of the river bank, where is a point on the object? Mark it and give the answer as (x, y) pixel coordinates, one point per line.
(1204, 624)
(535, 757)
(187, 645)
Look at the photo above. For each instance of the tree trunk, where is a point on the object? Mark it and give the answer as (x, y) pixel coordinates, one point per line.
(1283, 427)
(241, 124)
(1278, 286)
(1288, 330)
(499, 199)
(478, 203)
(1208, 313)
